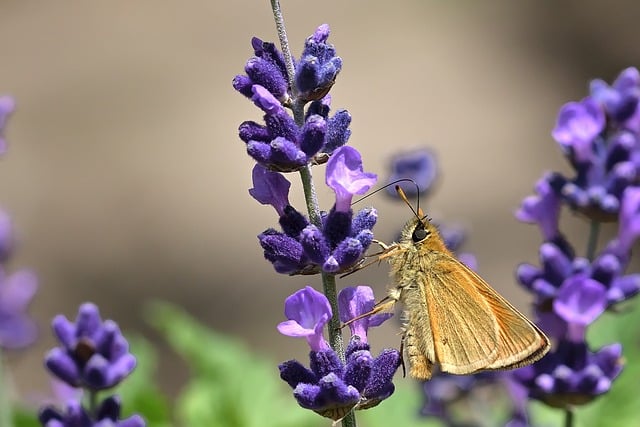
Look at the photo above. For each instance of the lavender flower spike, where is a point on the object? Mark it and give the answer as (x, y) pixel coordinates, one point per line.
(330, 387)
(17, 329)
(93, 354)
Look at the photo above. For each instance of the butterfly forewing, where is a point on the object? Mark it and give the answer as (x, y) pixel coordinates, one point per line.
(467, 339)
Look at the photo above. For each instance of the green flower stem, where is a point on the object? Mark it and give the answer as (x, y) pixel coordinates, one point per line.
(328, 281)
(93, 403)
(568, 417)
(592, 244)
(5, 407)
(311, 198)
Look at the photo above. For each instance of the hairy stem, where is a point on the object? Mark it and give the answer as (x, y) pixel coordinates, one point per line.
(284, 43)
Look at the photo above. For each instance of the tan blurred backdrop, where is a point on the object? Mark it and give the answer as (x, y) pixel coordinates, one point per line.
(127, 181)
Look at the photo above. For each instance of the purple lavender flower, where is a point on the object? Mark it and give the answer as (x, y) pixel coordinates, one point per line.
(620, 100)
(345, 175)
(543, 209)
(330, 387)
(270, 188)
(267, 69)
(308, 311)
(340, 241)
(354, 302)
(600, 137)
(579, 123)
(418, 165)
(106, 415)
(17, 329)
(571, 374)
(7, 105)
(281, 144)
(318, 67)
(559, 263)
(93, 354)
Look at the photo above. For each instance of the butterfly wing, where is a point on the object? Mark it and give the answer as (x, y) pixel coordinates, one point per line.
(482, 330)
(465, 330)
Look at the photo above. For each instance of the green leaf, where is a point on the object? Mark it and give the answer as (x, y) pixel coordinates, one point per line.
(618, 407)
(139, 393)
(230, 386)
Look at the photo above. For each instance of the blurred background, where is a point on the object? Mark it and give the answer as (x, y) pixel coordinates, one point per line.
(127, 182)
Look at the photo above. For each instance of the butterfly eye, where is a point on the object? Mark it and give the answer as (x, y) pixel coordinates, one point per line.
(419, 234)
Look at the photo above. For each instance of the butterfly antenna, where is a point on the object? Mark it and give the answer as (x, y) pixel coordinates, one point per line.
(418, 211)
(389, 185)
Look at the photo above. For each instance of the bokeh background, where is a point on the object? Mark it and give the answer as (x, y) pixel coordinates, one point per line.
(127, 181)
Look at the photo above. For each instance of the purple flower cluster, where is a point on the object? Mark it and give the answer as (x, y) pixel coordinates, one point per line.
(331, 387)
(106, 415)
(336, 242)
(17, 328)
(600, 137)
(330, 242)
(93, 355)
(341, 239)
(281, 144)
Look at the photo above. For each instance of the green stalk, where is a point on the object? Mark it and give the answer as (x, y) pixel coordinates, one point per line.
(311, 199)
(5, 407)
(568, 417)
(592, 244)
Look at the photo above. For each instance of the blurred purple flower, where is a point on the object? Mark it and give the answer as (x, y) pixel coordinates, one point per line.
(418, 165)
(629, 224)
(579, 123)
(620, 100)
(571, 374)
(579, 302)
(542, 209)
(6, 236)
(7, 106)
(106, 415)
(17, 329)
(93, 354)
